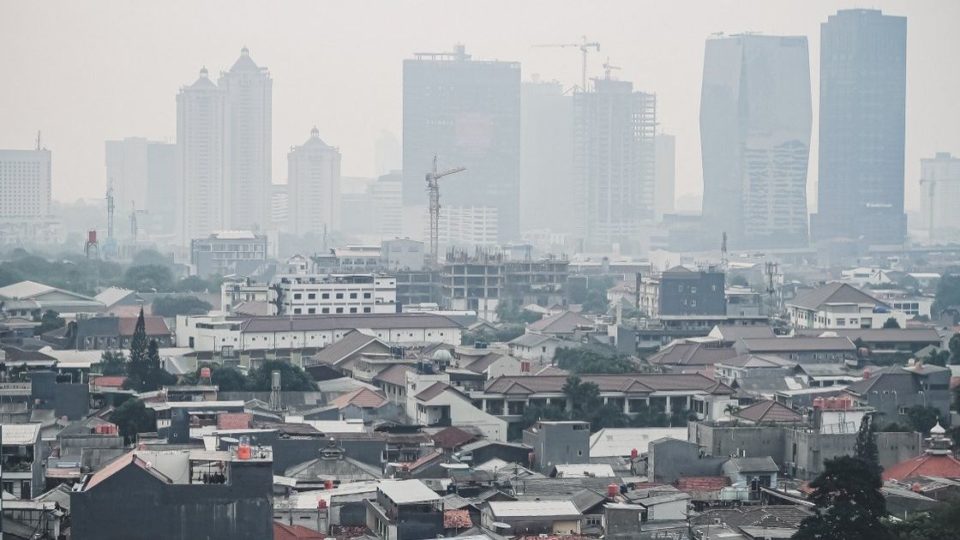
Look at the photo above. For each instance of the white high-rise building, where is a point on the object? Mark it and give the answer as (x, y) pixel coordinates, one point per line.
(25, 187)
(202, 167)
(313, 187)
(249, 94)
(940, 185)
(467, 226)
(387, 196)
(665, 175)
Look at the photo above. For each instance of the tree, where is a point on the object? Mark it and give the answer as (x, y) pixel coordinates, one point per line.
(580, 360)
(195, 284)
(941, 523)
(584, 397)
(731, 409)
(147, 278)
(137, 368)
(292, 378)
(227, 379)
(866, 447)
(848, 501)
(146, 257)
(938, 358)
(156, 376)
(954, 346)
(133, 417)
(113, 363)
(739, 281)
(891, 323)
(608, 416)
(9, 276)
(171, 306)
(922, 418)
(50, 320)
(534, 413)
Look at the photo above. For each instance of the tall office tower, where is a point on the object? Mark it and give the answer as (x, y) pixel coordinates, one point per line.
(313, 185)
(614, 162)
(467, 112)
(755, 117)
(141, 174)
(940, 186)
(249, 91)
(202, 167)
(666, 174)
(25, 187)
(387, 196)
(546, 157)
(863, 79)
(279, 207)
(386, 153)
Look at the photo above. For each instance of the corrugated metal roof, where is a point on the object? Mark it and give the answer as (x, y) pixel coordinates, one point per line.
(20, 434)
(560, 509)
(619, 442)
(408, 491)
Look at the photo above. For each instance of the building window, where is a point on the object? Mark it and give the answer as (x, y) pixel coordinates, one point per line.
(297, 296)
(312, 296)
(312, 310)
(353, 296)
(366, 295)
(325, 310)
(353, 310)
(339, 310)
(366, 310)
(339, 296)
(325, 296)
(296, 311)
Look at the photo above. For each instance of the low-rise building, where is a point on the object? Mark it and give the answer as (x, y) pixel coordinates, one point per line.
(894, 390)
(687, 291)
(825, 349)
(554, 517)
(534, 347)
(36, 298)
(333, 293)
(404, 509)
(228, 252)
(840, 305)
(22, 460)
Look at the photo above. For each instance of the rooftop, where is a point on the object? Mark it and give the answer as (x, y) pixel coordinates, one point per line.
(561, 323)
(769, 411)
(508, 509)
(408, 491)
(797, 344)
(20, 434)
(373, 321)
(610, 442)
(831, 294)
(627, 382)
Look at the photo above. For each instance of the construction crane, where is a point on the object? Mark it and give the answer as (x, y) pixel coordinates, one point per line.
(584, 47)
(433, 187)
(134, 227)
(608, 67)
(110, 210)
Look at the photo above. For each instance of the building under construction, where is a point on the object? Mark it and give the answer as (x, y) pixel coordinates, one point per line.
(614, 158)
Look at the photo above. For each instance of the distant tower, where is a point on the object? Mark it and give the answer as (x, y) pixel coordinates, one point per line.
(249, 122)
(313, 187)
(202, 167)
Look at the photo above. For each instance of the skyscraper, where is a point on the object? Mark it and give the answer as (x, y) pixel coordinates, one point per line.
(313, 185)
(863, 64)
(25, 190)
(546, 157)
(141, 174)
(666, 174)
(940, 187)
(202, 164)
(614, 161)
(755, 117)
(468, 113)
(249, 92)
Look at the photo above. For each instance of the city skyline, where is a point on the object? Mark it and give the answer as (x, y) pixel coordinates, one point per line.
(142, 105)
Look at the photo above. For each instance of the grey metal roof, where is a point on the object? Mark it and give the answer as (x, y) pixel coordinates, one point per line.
(797, 344)
(833, 293)
(753, 464)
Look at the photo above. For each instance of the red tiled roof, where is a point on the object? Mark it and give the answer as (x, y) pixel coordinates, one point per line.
(423, 460)
(457, 519)
(702, 483)
(361, 397)
(109, 381)
(769, 411)
(944, 466)
(452, 437)
(395, 374)
(234, 420)
(295, 532)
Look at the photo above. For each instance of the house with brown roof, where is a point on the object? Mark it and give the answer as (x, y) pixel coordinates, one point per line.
(508, 397)
(691, 356)
(937, 461)
(768, 412)
(561, 325)
(443, 405)
(840, 305)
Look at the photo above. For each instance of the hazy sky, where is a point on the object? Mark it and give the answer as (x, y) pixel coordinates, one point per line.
(83, 72)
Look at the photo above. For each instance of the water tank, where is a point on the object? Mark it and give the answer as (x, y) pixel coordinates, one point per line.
(634, 454)
(321, 504)
(612, 491)
(328, 484)
(243, 450)
(205, 373)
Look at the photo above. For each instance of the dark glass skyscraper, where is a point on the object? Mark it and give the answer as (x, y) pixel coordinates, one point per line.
(862, 114)
(468, 113)
(755, 118)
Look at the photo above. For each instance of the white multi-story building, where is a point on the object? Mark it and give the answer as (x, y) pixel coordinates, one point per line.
(202, 139)
(940, 182)
(25, 184)
(313, 186)
(249, 118)
(334, 293)
(839, 305)
(467, 226)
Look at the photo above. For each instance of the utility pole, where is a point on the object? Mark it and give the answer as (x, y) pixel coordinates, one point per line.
(433, 187)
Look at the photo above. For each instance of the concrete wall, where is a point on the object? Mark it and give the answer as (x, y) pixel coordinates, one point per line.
(807, 450)
(745, 441)
(558, 443)
(669, 459)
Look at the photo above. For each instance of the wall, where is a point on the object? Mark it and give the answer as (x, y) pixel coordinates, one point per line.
(559, 443)
(747, 441)
(670, 459)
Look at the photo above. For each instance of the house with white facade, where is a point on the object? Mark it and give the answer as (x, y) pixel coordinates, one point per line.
(309, 294)
(840, 305)
(534, 347)
(440, 404)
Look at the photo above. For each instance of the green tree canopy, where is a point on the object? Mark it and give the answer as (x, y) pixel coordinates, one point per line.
(113, 363)
(922, 418)
(50, 320)
(171, 306)
(147, 278)
(848, 501)
(580, 360)
(133, 417)
(292, 378)
(941, 523)
(227, 379)
(948, 291)
(197, 284)
(891, 323)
